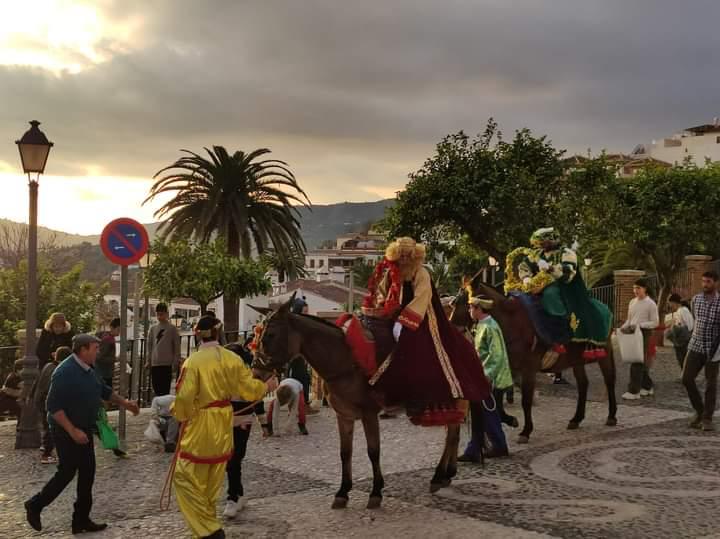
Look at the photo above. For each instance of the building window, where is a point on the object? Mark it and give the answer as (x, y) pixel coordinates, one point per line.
(717, 140)
(321, 263)
(312, 262)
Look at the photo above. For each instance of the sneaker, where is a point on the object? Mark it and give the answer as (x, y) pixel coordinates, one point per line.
(48, 459)
(560, 381)
(647, 392)
(119, 453)
(707, 425)
(696, 422)
(231, 509)
(32, 516)
(303, 429)
(87, 527)
(630, 396)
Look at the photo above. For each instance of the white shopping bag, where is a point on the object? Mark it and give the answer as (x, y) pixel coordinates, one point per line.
(152, 433)
(632, 349)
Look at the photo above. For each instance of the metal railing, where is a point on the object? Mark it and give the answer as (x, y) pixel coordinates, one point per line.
(605, 294)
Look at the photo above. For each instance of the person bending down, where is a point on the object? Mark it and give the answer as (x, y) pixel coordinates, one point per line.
(289, 393)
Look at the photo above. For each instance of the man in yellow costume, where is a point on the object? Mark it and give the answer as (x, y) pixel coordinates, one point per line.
(209, 378)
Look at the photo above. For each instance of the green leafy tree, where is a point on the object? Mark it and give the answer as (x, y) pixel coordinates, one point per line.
(67, 293)
(203, 272)
(240, 197)
(493, 191)
(288, 267)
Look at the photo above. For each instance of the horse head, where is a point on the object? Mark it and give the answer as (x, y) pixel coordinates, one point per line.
(276, 344)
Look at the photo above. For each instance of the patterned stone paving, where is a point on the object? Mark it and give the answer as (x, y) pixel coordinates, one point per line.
(648, 477)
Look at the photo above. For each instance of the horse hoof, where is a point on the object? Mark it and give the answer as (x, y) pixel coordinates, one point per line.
(522, 439)
(573, 425)
(340, 503)
(374, 502)
(611, 422)
(434, 487)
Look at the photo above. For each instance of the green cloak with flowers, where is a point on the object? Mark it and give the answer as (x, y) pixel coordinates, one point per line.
(549, 269)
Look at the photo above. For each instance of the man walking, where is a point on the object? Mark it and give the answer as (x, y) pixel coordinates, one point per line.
(163, 351)
(75, 396)
(701, 352)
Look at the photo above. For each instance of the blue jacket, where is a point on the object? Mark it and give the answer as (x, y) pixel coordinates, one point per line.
(78, 392)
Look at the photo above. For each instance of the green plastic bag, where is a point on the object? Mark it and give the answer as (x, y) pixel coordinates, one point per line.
(107, 435)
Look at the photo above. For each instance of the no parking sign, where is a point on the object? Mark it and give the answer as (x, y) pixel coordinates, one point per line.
(124, 241)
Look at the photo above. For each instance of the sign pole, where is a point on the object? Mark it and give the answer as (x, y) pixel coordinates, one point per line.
(123, 348)
(135, 387)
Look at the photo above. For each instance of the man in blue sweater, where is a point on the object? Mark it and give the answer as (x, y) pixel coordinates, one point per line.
(73, 401)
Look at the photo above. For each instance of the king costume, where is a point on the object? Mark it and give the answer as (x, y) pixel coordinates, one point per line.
(432, 365)
(208, 380)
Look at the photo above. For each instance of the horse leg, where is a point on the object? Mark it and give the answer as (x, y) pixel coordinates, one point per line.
(528, 393)
(582, 386)
(345, 429)
(371, 425)
(440, 479)
(453, 443)
(607, 367)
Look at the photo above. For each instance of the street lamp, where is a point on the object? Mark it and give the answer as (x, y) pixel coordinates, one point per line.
(34, 149)
(588, 263)
(493, 266)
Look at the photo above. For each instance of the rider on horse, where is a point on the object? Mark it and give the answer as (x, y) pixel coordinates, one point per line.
(432, 365)
(559, 303)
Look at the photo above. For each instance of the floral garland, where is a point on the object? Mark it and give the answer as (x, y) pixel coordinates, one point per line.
(535, 285)
(392, 302)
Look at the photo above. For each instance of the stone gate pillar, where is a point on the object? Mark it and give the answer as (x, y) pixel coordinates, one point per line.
(624, 280)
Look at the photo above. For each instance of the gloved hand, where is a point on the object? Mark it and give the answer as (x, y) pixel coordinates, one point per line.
(397, 328)
(544, 265)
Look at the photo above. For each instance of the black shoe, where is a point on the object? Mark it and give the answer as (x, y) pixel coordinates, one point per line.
(303, 429)
(32, 515)
(119, 453)
(511, 422)
(496, 453)
(87, 527)
(467, 458)
(559, 381)
(170, 448)
(220, 534)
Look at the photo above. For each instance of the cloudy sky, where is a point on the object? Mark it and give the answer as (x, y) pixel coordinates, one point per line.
(353, 95)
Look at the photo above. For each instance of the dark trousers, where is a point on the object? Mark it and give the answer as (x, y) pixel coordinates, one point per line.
(10, 405)
(485, 424)
(234, 465)
(47, 437)
(639, 373)
(72, 459)
(694, 362)
(680, 353)
(161, 377)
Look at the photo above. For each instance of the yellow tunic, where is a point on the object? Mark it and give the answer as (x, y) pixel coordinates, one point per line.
(208, 379)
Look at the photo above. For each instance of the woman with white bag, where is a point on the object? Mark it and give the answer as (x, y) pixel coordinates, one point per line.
(643, 316)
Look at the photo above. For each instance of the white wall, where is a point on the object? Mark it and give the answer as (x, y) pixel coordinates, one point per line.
(697, 147)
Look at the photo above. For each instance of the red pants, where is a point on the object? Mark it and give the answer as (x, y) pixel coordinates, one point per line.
(300, 410)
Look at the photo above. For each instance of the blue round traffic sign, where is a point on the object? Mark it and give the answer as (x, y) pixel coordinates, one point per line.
(124, 241)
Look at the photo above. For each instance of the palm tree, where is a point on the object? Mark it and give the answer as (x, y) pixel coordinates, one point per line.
(287, 268)
(242, 198)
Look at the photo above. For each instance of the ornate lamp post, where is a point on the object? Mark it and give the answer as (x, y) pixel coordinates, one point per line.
(588, 263)
(34, 149)
(493, 266)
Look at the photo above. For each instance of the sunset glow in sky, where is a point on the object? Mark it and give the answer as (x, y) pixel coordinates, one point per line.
(353, 95)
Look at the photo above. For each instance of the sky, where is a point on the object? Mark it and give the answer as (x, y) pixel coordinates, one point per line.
(353, 95)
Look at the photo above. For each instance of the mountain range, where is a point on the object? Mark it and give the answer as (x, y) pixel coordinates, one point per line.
(319, 224)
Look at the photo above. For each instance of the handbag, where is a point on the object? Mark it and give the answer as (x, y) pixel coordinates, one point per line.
(106, 433)
(152, 433)
(632, 349)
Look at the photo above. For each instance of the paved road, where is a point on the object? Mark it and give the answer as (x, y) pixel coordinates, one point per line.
(648, 477)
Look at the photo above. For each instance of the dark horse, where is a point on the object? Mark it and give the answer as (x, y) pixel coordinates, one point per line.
(525, 351)
(323, 344)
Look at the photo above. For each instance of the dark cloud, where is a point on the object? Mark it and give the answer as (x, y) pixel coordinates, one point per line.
(354, 95)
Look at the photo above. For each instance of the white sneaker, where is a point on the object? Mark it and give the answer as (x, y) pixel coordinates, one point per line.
(647, 392)
(231, 509)
(631, 396)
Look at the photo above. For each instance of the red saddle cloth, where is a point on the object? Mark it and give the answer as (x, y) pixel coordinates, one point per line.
(363, 349)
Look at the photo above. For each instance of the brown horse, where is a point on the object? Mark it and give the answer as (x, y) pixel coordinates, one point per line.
(525, 351)
(323, 344)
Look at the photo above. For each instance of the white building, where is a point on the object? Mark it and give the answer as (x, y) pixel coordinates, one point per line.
(700, 143)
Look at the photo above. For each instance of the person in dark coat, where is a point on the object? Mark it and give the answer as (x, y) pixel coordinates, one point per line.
(57, 332)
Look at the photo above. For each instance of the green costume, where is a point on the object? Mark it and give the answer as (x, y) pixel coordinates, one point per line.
(567, 295)
(490, 346)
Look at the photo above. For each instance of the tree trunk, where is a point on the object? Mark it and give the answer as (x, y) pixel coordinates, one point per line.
(231, 306)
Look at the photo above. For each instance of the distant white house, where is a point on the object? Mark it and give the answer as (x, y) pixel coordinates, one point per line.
(699, 143)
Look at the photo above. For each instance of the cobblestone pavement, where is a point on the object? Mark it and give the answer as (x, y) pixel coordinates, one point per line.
(648, 477)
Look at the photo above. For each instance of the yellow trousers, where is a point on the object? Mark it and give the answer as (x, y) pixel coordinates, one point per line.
(197, 488)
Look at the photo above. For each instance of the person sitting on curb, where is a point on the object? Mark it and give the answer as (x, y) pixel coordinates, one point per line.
(289, 393)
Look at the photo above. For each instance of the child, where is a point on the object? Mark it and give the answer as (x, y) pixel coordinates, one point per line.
(162, 417)
(243, 413)
(42, 386)
(290, 393)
